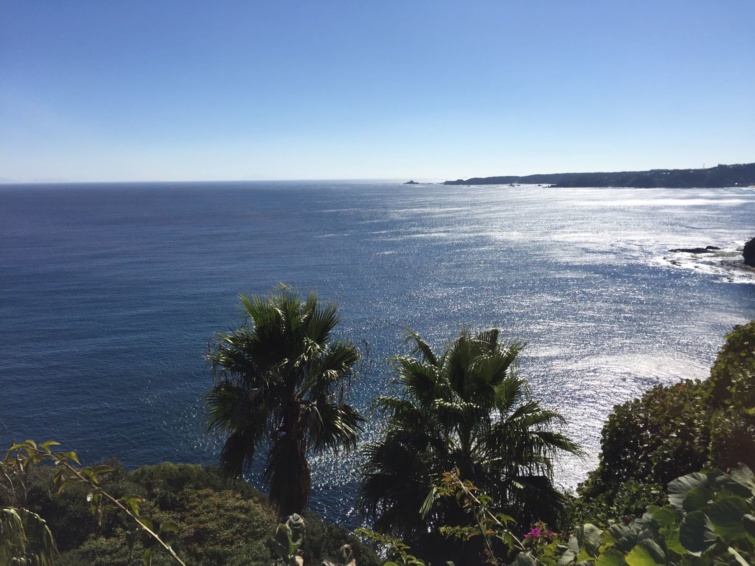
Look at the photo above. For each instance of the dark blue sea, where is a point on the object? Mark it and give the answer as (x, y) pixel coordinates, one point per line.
(110, 294)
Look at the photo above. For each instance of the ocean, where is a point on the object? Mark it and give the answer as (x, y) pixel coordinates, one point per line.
(111, 293)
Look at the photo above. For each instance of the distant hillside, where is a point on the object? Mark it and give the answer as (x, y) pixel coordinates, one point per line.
(741, 175)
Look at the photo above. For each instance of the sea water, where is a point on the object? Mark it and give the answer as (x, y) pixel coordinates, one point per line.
(110, 295)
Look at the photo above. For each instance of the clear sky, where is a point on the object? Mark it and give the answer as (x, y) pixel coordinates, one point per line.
(94, 90)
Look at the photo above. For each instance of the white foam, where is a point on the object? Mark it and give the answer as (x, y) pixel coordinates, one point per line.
(726, 264)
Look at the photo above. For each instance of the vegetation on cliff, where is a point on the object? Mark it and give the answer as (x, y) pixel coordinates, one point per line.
(739, 175)
(675, 430)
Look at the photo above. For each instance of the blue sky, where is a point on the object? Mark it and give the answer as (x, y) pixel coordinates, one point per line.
(344, 89)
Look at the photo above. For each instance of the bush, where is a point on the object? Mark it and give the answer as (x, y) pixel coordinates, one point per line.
(219, 521)
(645, 444)
(732, 396)
(675, 430)
(323, 541)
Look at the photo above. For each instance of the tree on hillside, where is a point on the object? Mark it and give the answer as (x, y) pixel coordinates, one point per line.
(280, 382)
(464, 408)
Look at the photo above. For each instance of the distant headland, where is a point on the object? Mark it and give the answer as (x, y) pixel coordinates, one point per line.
(740, 175)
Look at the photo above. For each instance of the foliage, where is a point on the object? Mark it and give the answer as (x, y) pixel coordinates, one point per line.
(24, 457)
(220, 522)
(710, 520)
(289, 546)
(325, 542)
(25, 538)
(732, 378)
(645, 443)
(675, 430)
(732, 396)
(288, 539)
(391, 547)
(281, 379)
(485, 524)
(464, 408)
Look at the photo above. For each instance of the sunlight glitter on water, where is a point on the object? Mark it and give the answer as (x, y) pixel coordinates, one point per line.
(138, 279)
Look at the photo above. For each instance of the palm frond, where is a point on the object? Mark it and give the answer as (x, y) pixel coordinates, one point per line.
(323, 319)
(332, 426)
(331, 368)
(419, 346)
(238, 453)
(25, 538)
(420, 379)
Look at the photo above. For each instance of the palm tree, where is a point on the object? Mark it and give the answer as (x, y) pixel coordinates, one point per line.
(465, 408)
(280, 382)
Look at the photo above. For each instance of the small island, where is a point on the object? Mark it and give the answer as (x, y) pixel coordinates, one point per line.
(739, 175)
(412, 182)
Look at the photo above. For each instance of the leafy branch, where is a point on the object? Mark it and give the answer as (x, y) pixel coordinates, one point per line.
(22, 457)
(487, 524)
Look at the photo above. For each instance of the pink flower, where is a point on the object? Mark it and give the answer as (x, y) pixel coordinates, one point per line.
(537, 532)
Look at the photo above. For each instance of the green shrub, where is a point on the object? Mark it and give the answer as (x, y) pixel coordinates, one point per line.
(645, 444)
(219, 522)
(323, 541)
(732, 397)
(732, 378)
(675, 430)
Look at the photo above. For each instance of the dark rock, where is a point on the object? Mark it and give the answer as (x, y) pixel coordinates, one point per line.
(412, 183)
(705, 250)
(749, 253)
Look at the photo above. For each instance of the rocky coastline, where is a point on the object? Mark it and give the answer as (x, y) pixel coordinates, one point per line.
(732, 264)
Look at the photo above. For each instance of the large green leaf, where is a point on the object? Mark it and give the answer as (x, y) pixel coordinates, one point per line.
(567, 557)
(739, 482)
(738, 557)
(665, 521)
(697, 498)
(646, 553)
(524, 559)
(680, 487)
(664, 517)
(744, 476)
(696, 532)
(673, 544)
(610, 557)
(726, 517)
(748, 522)
(590, 538)
(624, 536)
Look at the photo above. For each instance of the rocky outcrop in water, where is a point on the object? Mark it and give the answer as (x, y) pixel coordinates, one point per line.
(705, 250)
(749, 253)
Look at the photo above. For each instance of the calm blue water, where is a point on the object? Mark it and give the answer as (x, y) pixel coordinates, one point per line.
(109, 295)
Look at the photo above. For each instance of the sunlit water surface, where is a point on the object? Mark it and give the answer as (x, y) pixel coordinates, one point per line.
(111, 293)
